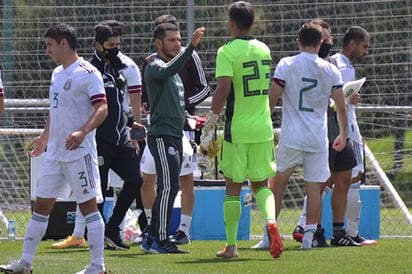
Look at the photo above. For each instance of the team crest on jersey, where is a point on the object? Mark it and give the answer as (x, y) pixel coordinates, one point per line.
(68, 84)
(171, 151)
(100, 160)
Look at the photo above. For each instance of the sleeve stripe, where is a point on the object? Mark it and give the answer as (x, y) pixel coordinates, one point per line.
(336, 87)
(1, 92)
(279, 82)
(135, 89)
(99, 98)
(204, 93)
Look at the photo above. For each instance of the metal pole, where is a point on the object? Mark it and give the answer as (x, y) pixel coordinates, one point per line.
(190, 20)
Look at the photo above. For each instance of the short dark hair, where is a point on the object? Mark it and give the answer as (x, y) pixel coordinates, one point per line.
(62, 31)
(106, 29)
(166, 18)
(310, 34)
(321, 22)
(160, 31)
(243, 14)
(356, 33)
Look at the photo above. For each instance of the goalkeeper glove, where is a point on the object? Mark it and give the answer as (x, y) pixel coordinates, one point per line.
(209, 146)
(203, 163)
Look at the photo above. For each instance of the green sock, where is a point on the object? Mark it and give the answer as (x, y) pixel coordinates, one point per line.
(231, 216)
(266, 202)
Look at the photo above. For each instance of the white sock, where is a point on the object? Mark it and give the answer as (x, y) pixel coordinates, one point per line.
(185, 221)
(302, 218)
(353, 210)
(309, 231)
(95, 236)
(34, 233)
(79, 224)
(148, 213)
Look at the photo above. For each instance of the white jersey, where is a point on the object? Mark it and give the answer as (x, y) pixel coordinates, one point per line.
(132, 76)
(73, 91)
(348, 74)
(308, 82)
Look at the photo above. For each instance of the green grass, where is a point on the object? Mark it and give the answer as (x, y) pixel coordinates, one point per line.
(389, 256)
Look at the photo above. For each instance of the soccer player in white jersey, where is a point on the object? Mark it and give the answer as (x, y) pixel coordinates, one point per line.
(355, 48)
(306, 83)
(77, 106)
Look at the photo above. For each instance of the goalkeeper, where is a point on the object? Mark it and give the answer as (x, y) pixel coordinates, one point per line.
(247, 146)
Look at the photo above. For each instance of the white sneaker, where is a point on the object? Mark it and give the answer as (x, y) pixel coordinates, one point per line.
(262, 244)
(16, 267)
(93, 269)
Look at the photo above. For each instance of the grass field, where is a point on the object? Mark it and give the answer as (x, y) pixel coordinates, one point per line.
(389, 256)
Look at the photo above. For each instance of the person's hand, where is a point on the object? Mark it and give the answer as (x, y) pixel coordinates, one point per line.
(74, 140)
(207, 146)
(340, 143)
(197, 35)
(38, 146)
(355, 98)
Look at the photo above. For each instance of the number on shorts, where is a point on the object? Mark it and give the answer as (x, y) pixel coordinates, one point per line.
(82, 177)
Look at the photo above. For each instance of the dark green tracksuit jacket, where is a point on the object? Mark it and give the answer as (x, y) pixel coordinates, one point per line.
(166, 94)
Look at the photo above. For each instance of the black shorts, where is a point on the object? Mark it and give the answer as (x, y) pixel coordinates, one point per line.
(344, 160)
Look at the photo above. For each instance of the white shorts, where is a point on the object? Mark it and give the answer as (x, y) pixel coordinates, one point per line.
(189, 164)
(360, 157)
(315, 165)
(78, 178)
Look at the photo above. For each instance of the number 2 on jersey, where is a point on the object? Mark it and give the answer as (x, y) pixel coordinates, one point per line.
(313, 84)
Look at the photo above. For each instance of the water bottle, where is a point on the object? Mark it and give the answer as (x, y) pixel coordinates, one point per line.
(11, 230)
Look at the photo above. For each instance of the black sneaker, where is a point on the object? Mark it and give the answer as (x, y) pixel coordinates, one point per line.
(341, 238)
(165, 247)
(319, 238)
(113, 240)
(298, 233)
(180, 238)
(363, 241)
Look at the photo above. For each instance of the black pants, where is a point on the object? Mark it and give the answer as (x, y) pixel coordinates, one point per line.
(167, 154)
(125, 162)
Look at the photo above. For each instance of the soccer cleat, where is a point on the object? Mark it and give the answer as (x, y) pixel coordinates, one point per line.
(319, 238)
(361, 240)
(16, 267)
(180, 238)
(93, 269)
(70, 241)
(298, 233)
(165, 247)
(276, 244)
(341, 238)
(113, 240)
(228, 252)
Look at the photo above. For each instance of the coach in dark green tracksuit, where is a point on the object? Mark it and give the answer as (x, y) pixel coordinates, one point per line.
(167, 107)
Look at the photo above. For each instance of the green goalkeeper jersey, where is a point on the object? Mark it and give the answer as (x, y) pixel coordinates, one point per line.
(247, 116)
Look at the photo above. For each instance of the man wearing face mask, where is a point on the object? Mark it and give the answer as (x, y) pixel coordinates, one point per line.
(115, 149)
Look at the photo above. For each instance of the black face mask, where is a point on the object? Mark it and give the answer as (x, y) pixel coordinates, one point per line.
(324, 50)
(110, 54)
